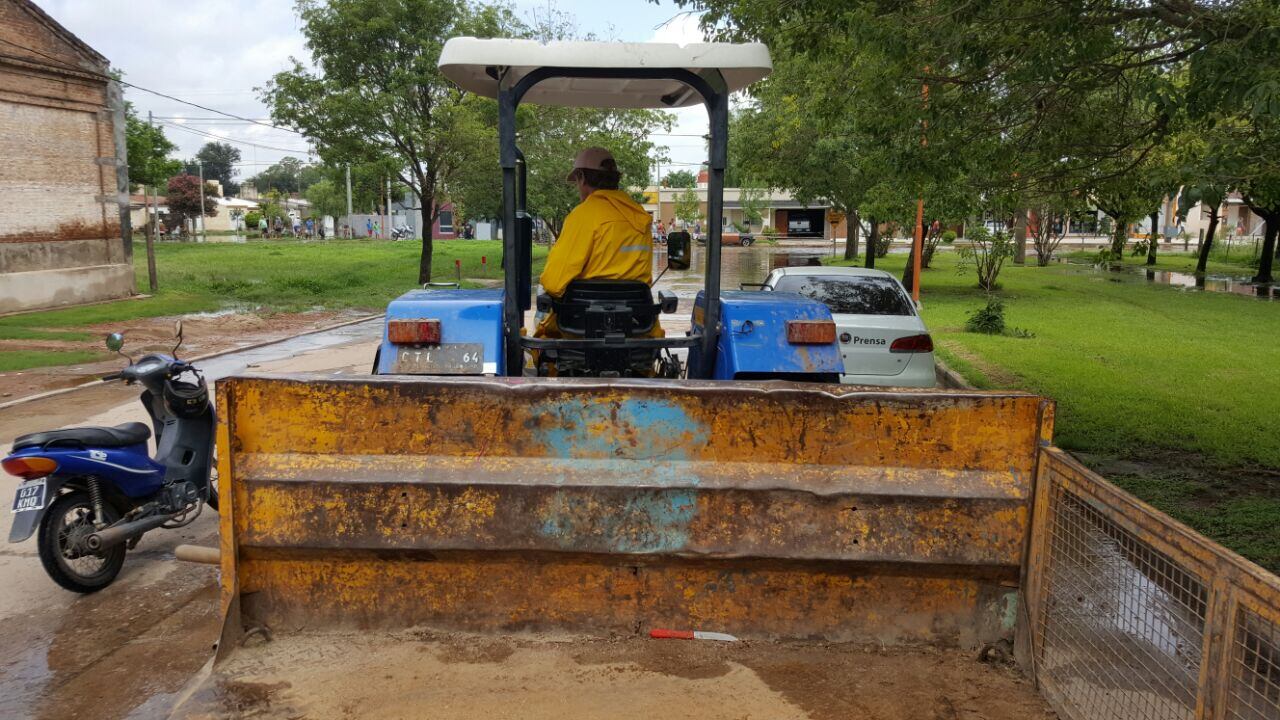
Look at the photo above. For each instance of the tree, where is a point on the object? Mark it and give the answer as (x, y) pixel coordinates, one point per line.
(688, 207)
(551, 136)
(184, 199)
(754, 202)
(377, 93)
(987, 254)
(219, 160)
(326, 198)
(148, 151)
(1047, 223)
(290, 175)
(680, 179)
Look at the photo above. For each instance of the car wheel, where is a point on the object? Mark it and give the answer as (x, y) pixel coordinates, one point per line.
(746, 242)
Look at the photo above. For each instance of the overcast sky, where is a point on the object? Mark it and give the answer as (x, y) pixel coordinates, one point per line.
(214, 53)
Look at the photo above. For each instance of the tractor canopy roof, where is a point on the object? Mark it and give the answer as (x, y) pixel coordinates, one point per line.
(477, 64)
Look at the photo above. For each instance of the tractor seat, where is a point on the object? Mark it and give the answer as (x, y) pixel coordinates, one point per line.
(118, 436)
(583, 298)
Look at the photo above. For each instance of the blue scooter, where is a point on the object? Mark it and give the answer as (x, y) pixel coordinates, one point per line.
(93, 492)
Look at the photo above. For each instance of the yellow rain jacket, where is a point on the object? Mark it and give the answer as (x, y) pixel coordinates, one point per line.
(606, 237)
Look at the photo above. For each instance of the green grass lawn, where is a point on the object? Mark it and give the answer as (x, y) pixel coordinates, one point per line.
(270, 276)
(11, 360)
(1171, 394)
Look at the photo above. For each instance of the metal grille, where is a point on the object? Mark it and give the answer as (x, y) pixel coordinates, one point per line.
(1254, 687)
(1122, 624)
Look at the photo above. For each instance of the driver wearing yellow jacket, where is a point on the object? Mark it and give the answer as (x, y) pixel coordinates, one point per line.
(606, 237)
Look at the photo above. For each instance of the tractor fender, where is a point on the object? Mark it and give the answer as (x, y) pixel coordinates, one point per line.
(471, 338)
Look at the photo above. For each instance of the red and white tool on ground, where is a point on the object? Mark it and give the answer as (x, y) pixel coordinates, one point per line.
(664, 634)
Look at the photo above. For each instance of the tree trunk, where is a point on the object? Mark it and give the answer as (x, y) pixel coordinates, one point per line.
(1020, 237)
(851, 241)
(1118, 236)
(427, 201)
(1203, 261)
(1268, 248)
(908, 271)
(1153, 240)
(873, 242)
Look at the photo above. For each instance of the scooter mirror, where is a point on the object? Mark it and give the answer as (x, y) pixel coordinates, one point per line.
(678, 250)
(115, 341)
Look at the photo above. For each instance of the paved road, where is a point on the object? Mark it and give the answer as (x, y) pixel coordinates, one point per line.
(125, 651)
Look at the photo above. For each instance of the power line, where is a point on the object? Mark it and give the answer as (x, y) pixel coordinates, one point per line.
(63, 66)
(209, 109)
(202, 133)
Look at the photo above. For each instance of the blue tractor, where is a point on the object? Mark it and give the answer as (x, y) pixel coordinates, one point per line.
(606, 324)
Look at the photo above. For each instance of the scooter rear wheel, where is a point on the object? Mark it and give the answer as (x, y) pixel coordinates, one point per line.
(68, 519)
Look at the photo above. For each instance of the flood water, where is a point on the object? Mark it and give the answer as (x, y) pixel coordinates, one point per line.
(737, 265)
(1234, 285)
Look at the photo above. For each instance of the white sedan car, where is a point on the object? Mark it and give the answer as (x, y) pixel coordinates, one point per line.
(882, 339)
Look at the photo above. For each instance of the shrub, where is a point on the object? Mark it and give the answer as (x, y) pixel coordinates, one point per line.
(251, 219)
(987, 320)
(986, 254)
(949, 237)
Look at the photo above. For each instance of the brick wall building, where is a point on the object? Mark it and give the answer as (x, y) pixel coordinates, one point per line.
(64, 214)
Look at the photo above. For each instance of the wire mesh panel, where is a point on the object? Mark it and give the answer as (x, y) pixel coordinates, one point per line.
(1254, 683)
(1121, 624)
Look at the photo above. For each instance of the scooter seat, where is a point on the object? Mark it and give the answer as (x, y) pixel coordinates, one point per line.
(118, 436)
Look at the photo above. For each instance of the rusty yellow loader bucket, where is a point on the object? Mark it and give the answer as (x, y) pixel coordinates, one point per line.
(763, 510)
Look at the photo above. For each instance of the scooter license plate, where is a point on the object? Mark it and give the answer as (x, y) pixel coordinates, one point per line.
(445, 359)
(30, 496)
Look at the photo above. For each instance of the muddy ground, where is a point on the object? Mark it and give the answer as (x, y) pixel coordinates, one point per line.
(204, 333)
(416, 674)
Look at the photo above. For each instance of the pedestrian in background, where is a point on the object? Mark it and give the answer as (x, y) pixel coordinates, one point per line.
(368, 227)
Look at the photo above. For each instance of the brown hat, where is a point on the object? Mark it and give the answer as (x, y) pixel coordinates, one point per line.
(593, 158)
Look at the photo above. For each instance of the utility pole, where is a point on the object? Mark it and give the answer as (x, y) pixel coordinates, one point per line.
(348, 233)
(917, 243)
(657, 164)
(200, 164)
(155, 224)
(386, 229)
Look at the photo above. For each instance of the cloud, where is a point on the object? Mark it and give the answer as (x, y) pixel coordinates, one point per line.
(211, 53)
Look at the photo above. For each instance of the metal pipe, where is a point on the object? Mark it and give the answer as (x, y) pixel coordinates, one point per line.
(718, 110)
(514, 354)
(198, 554)
(112, 536)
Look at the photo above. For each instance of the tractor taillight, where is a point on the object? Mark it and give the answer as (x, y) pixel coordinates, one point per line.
(28, 468)
(414, 332)
(811, 332)
(912, 344)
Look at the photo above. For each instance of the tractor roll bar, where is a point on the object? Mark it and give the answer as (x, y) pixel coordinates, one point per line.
(517, 243)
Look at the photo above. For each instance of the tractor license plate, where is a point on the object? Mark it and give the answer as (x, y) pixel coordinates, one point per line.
(30, 496)
(445, 359)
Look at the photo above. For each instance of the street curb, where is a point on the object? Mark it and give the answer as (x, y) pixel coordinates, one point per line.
(948, 378)
(220, 353)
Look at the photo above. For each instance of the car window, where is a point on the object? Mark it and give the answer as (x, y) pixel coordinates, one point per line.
(850, 294)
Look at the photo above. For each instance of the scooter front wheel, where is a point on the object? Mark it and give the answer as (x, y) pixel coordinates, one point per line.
(63, 528)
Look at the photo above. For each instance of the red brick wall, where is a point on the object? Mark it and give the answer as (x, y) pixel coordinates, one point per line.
(58, 174)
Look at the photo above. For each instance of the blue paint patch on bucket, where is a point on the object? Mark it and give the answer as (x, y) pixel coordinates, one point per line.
(648, 522)
(633, 429)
